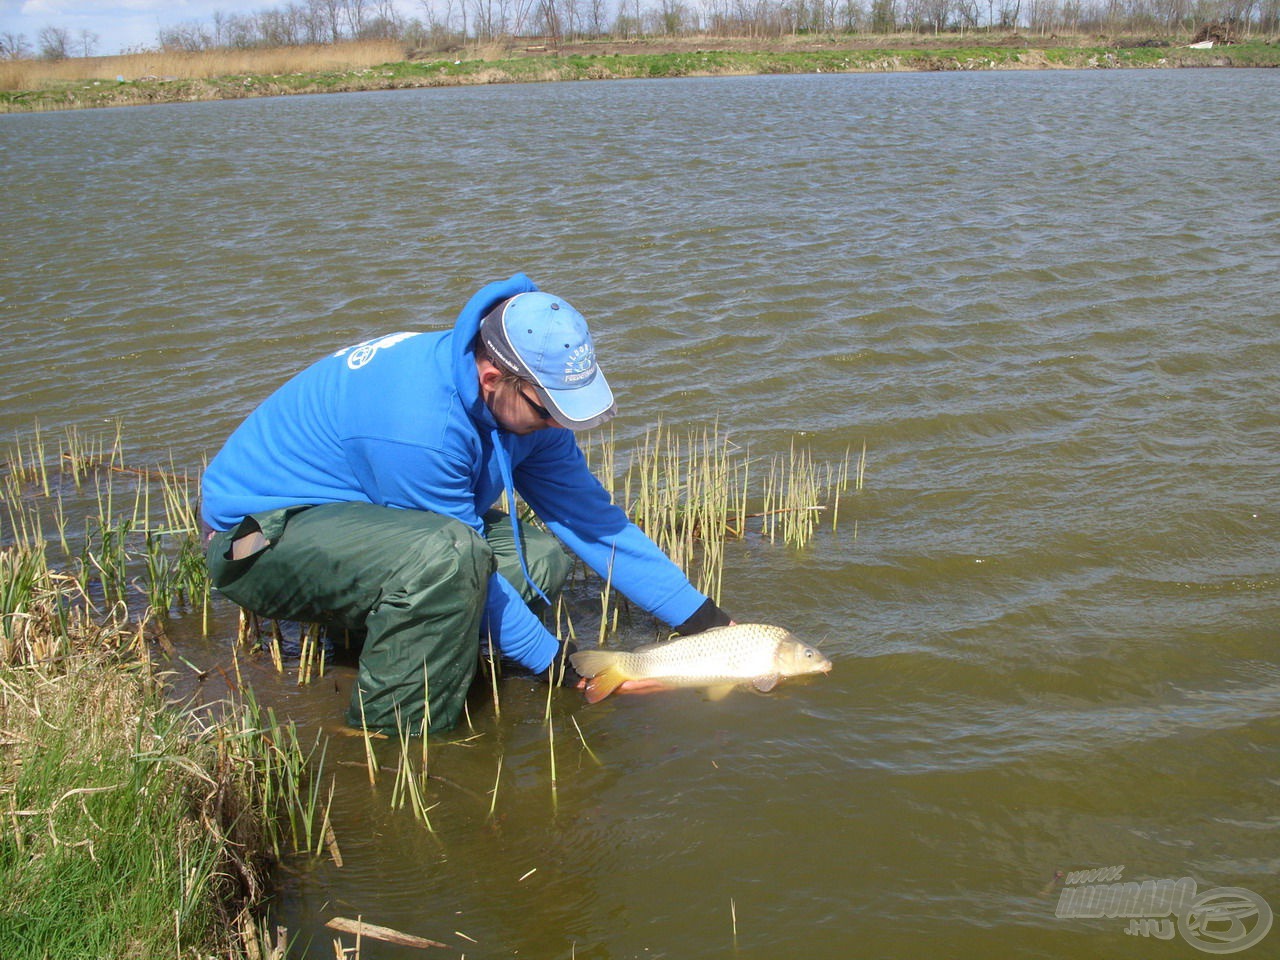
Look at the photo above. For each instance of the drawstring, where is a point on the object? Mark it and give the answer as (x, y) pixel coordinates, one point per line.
(504, 466)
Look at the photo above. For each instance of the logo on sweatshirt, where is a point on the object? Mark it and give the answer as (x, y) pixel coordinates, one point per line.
(362, 353)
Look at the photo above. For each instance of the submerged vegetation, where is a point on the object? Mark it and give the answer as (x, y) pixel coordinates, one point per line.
(180, 76)
(134, 826)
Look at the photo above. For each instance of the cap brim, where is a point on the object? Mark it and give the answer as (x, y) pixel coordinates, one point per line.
(583, 407)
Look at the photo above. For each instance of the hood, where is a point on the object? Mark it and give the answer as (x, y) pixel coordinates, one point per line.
(464, 334)
(467, 382)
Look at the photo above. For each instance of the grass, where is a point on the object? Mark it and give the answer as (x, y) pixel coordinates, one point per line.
(131, 828)
(226, 74)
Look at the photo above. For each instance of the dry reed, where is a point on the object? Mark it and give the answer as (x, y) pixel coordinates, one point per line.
(203, 65)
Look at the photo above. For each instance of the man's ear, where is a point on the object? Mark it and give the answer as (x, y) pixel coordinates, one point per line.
(490, 377)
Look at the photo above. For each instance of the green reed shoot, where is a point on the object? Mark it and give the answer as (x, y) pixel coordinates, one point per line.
(406, 788)
(24, 576)
(692, 493)
(138, 541)
(370, 761)
(492, 660)
(426, 716)
(27, 462)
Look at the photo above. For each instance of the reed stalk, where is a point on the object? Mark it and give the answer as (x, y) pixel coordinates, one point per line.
(406, 788)
(590, 752)
(371, 762)
(692, 494)
(493, 794)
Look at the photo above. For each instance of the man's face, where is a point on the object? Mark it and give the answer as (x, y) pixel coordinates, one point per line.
(515, 405)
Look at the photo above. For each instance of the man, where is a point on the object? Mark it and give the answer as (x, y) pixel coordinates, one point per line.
(360, 494)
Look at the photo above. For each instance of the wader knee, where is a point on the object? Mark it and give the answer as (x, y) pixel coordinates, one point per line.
(422, 633)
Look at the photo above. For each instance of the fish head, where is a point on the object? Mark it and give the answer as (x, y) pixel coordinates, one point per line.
(794, 658)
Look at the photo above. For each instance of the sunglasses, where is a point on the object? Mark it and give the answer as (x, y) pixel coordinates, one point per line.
(542, 412)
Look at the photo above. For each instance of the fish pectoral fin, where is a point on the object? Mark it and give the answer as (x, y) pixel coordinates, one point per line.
(602, 671)
(604, 683)
(719, 691)
(766, 683)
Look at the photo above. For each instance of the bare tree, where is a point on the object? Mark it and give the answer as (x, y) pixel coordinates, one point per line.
(87, 42)
(967, 14)
(355, 14)
(55, 43)
(189, 37)
(884, 16)
(1269, 16)
(596, 17)
(14, 46)
(328, 14)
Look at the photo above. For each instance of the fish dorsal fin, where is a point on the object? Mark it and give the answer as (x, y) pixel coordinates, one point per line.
(766, 683)
(719, 691)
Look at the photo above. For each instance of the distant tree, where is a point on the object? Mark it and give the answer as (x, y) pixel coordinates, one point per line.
(87, 43)
(354, 12)
(672, 16)
(852, 16)
(626, 26)
(596, 17)
(55, 43)
(884, 16)
(189, 37)
(14, 46)
(386, 11)
(379, 28)
(968, 14)
(1269, 16)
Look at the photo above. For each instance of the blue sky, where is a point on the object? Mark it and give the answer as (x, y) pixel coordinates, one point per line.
(122, 24)
(118, 23)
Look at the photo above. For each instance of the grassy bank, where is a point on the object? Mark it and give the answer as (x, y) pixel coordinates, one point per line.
(131, 827)
(220, 75)
(132, 830)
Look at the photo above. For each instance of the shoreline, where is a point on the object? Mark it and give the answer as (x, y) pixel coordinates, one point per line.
(581, 62)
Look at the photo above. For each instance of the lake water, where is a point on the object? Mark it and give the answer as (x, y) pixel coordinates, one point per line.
(1047, 302)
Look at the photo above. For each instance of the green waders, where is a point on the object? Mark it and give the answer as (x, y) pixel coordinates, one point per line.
(412, 582)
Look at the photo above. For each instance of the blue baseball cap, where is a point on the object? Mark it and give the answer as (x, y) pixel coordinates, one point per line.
(543, 340)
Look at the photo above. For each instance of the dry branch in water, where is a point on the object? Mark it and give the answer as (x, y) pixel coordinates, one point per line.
(374, 932)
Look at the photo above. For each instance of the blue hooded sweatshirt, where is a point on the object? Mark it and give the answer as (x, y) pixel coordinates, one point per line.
(400, 421)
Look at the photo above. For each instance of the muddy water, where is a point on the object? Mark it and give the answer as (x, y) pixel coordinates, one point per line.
(1047, 302)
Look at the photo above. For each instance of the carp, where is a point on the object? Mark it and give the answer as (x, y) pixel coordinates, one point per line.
(719, 659)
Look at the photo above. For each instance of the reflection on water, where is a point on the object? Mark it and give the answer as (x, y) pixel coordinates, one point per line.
(1041, 299)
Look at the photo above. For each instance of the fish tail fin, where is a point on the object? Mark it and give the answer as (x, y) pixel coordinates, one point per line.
(603, 670)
